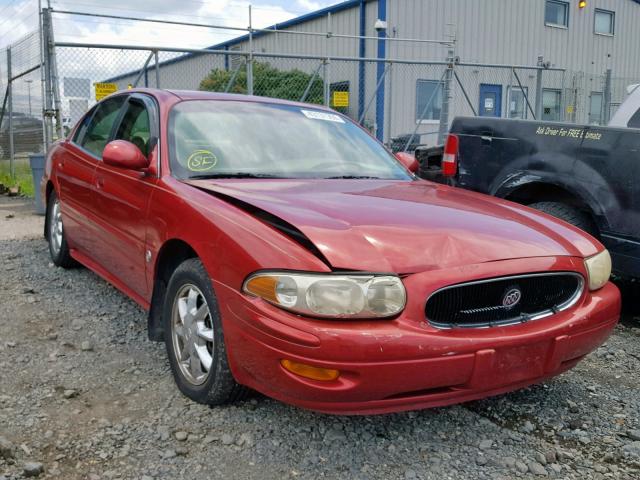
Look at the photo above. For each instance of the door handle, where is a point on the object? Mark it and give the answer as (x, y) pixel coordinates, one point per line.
(486, 140)
(99, 182)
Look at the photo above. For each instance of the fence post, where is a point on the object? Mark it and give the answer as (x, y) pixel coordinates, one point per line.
(446, 92)
(539, 87)
(10, 99)
(507, 110)
(389, 109)
(47, 99)
(43, 85)
(326, 69)
(607, 98)
(53, 73)
(250, 62)
(155, 54)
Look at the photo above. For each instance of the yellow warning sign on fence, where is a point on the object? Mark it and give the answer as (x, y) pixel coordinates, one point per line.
(104, 89)
(340, 99)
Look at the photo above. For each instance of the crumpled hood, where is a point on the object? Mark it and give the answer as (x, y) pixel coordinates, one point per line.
(406, 227)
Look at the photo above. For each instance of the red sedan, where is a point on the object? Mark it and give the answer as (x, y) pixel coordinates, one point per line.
(278, 246)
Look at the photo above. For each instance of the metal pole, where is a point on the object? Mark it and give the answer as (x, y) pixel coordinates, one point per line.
(211, 51)
(273, 30)
(325, 83)
(54, 77)
(326, 69)
(29, 82)
(155, 54)
(45, 141)
(446, 94)
(539, 88)
(389, 104)
(47, 103)
(250, 62)
(508, 109)
(389, 112)
(563, 101)
(10, 98)
(604, 119)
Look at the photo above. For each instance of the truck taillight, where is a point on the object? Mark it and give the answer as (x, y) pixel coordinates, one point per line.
(450, 156)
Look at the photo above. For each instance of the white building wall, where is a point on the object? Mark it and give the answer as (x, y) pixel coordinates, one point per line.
(486, 31)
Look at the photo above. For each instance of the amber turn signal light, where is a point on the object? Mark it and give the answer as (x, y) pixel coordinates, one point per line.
(264, 287)
(307, 371)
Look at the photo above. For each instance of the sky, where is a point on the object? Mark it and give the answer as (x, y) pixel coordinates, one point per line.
(19, 17)
(19, 23)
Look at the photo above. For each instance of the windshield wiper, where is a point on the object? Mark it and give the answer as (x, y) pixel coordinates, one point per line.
(351, 177)
(232, 175)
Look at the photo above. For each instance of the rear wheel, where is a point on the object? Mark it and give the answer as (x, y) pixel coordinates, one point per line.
(58, 248)
(569, 214)
(194, 338)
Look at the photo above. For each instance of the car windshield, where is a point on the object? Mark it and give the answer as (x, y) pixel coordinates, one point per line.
(218, 139)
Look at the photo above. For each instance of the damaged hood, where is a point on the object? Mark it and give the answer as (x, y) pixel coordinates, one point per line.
(405, 226)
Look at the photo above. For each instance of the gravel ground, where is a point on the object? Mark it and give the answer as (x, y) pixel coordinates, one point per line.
(84, 395)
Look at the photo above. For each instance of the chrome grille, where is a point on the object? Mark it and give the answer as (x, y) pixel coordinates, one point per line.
(503, 300)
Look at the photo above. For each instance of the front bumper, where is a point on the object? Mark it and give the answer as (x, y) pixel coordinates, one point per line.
(405, 363)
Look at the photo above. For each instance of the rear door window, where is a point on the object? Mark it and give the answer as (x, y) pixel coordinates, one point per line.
(99, 129)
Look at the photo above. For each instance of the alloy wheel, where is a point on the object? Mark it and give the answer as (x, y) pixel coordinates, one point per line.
(55, 227)
(192, 334)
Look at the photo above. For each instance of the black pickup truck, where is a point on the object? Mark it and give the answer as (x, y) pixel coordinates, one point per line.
(586, 175)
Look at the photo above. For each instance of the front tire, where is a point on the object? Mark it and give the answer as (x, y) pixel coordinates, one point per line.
(58, 248)
(569, 214)
(194, 339)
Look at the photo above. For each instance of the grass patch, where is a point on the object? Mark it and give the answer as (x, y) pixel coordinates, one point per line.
(23, 176)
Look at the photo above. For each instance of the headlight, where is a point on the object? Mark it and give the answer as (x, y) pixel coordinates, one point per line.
(331, 296)
(599, 269)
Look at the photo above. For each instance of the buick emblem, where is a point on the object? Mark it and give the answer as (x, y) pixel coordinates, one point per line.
(511, 298)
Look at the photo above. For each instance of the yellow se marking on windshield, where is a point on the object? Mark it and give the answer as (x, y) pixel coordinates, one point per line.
(201, 161)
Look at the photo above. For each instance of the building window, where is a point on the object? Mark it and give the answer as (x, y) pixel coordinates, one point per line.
(604, 22)
(556, 13)
(551, 104)
(518, 102)
(428, 100)
(595, 108)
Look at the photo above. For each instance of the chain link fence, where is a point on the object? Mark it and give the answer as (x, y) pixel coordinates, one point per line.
(21, 110)
(403, 102)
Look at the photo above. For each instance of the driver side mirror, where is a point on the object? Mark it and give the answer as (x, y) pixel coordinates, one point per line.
(123, 154)
(409, 161)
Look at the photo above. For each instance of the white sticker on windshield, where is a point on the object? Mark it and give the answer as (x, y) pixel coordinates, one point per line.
(316, 115)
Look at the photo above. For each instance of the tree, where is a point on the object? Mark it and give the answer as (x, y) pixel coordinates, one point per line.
(268, 81)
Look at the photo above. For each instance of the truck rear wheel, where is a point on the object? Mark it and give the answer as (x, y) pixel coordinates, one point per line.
(569, 214)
